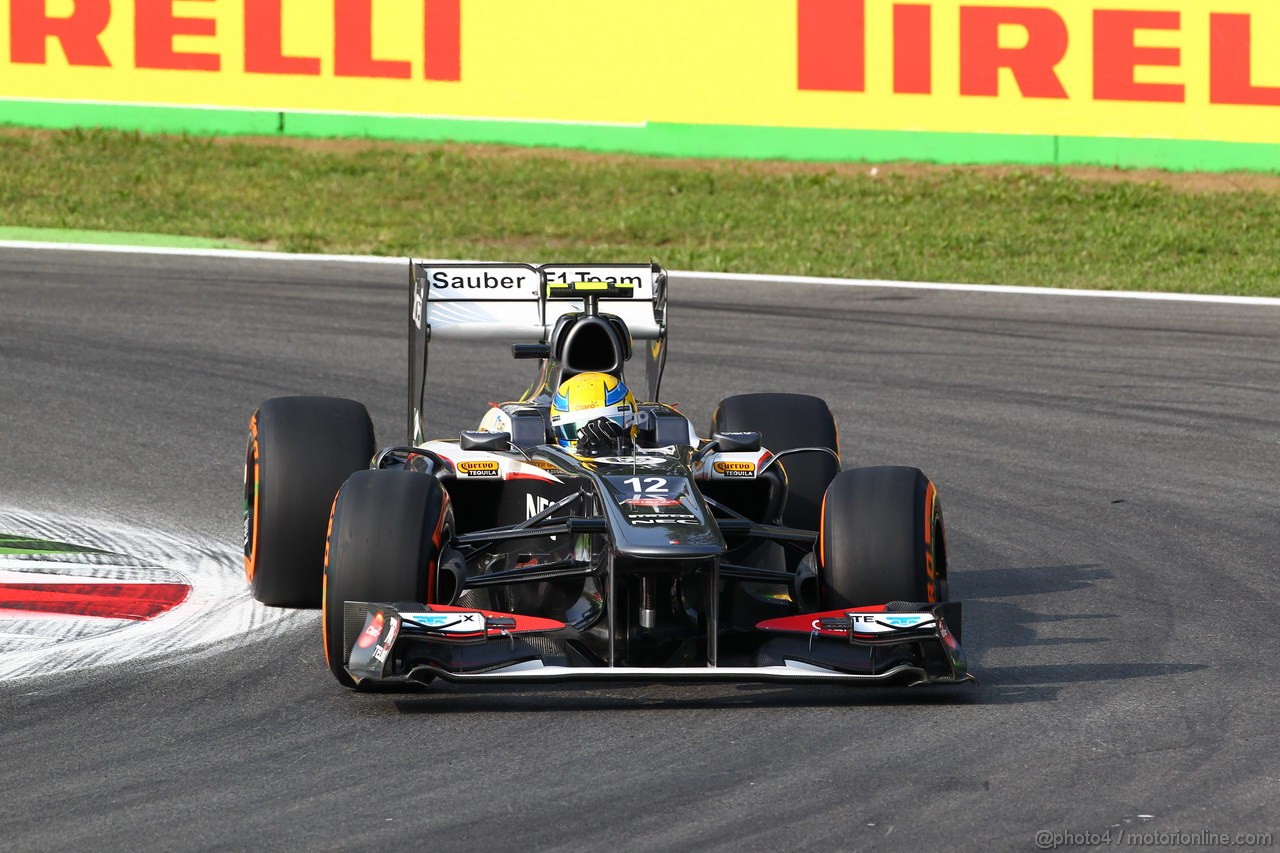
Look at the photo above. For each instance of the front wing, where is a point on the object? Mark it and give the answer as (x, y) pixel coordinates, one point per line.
(897, 643)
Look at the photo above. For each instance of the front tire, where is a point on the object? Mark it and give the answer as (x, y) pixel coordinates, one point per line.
(785, 422)
(881, 540)
(387, 530)
(300, 450)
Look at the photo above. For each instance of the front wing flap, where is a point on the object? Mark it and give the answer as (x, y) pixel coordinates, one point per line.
(928, 633)
(414, 643)
(385, 648)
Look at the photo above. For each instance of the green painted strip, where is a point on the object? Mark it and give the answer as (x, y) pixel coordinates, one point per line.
(975, 148)
(196, 120)
(693, 140)
(664, 139)
(1180, 155)
(543, 134)
(10, 544)
(118, 238)
(844, 145)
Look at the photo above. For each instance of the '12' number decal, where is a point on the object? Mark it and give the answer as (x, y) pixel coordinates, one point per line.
(651, 485)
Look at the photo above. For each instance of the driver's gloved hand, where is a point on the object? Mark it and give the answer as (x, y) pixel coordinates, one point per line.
(603, 437)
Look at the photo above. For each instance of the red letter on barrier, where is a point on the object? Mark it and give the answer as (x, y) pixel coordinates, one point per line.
(912, 49)
(1231, 64)
(353, 43)
(263, 53)
(154, 27)
(30, 28)
(442, 40)
(1115, 56)
(981, 56)
(831, 45)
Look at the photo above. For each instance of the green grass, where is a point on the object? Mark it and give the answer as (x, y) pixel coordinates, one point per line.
(1012, 226)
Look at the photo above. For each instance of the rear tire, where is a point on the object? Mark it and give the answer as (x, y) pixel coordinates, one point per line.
(300, 450)
(882, 539)
(386, 533)
(785, 422)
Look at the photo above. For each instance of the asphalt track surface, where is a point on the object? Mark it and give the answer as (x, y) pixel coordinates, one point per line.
(1109, 470)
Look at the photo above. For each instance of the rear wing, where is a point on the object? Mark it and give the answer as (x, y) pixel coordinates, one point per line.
(520, 303)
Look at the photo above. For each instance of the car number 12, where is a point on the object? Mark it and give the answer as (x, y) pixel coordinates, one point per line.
(647, 485)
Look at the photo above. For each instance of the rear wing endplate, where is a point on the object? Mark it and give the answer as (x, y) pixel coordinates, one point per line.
(520, 303)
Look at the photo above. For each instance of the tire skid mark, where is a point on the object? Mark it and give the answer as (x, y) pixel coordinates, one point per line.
(215, 612)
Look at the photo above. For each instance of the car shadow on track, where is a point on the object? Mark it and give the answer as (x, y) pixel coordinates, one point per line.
(1028, 580)
(1001, 685)
(989, 623)
(994, 622)
(446, 699)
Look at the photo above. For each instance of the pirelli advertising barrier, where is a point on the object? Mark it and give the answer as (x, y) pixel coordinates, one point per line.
(1175, 83)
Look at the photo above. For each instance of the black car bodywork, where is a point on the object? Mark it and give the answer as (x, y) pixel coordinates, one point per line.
(667, 561)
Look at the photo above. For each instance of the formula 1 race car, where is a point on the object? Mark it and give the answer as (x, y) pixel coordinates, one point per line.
(580, 534)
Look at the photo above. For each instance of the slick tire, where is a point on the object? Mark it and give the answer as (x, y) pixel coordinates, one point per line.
(785, 422)
(386, 533)
(300, 451)
(881, 540)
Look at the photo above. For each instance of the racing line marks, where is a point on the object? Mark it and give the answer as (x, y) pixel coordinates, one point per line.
(687, 277)
(121, 593)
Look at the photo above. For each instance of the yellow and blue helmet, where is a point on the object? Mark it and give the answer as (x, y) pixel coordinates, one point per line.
(585, 397)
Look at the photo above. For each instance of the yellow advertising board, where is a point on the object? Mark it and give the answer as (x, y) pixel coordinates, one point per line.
(1200, 71)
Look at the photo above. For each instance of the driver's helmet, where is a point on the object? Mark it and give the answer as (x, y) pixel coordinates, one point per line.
(585, 397)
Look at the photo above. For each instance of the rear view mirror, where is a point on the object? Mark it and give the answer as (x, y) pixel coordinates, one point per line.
(491, 441)
(734, 442)
(530, 350)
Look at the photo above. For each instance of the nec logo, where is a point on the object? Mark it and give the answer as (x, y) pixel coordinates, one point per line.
(534, 504)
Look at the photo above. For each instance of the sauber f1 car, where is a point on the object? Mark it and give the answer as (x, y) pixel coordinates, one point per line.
(582, 534)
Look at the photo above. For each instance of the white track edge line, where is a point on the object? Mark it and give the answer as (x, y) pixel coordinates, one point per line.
(743, 278)
(244, 254)
(754, 278)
